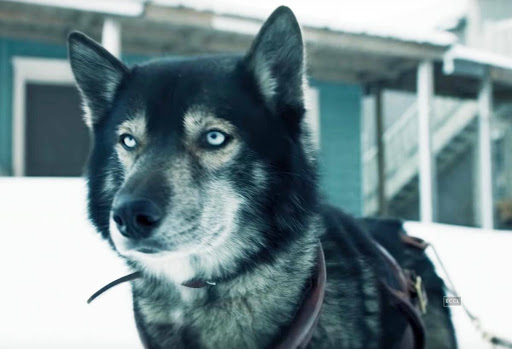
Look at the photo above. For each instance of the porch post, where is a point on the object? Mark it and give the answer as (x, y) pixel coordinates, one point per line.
(111, 36)
(485, 109)
(381, 160)
(427, 166)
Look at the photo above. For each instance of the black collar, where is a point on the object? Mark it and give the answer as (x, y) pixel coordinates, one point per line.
(301, 329)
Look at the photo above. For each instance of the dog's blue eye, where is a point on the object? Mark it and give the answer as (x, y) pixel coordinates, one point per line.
(215, 138)
(128, 141)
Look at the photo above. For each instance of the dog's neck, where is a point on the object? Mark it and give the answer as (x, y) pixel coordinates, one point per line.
(244, 311)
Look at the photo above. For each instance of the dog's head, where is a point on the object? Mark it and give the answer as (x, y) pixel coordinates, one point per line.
(198, 164)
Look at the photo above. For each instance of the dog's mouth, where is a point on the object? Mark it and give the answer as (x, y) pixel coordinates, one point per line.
(145, 247)
(148, 249)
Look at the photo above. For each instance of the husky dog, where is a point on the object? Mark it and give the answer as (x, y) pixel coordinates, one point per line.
(202, 169)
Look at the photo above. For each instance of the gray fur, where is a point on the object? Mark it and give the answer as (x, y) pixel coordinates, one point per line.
(247, 312)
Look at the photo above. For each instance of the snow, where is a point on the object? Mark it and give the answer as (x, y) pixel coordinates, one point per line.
(459, 52)
(478, 262)
(130, 8)
(406, 20)
(52, 260)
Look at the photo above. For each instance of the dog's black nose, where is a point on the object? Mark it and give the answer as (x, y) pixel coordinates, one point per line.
(136, 218)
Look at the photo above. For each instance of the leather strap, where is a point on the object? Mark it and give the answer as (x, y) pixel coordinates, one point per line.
(402, 302)
(116, 282)
(402, 299)
(414, 242)
(301, 330)
(196, 283)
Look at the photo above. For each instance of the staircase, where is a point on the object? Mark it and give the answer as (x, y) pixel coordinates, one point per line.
(454, 130)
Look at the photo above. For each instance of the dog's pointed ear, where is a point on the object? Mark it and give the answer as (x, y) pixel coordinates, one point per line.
(276, 59)
(97, 73)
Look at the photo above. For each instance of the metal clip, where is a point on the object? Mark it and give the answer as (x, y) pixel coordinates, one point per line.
(421, 294)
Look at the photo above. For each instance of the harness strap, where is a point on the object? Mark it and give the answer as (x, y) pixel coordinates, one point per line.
(402, 302)
(403, 299)
(414, 241)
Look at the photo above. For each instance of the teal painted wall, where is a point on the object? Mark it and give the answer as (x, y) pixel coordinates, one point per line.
(340, 154)
(340, 144)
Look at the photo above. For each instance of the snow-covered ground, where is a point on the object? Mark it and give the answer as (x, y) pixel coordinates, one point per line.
(51, 261)
(479, 263)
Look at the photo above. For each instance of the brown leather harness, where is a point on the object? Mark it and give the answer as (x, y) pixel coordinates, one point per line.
(408, 298)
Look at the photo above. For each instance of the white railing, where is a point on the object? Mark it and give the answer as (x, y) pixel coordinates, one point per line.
(450, 117)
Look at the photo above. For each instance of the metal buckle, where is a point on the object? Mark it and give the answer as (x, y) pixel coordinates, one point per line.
(421, 294)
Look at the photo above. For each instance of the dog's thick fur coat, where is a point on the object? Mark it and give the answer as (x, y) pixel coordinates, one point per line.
(216, 148)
